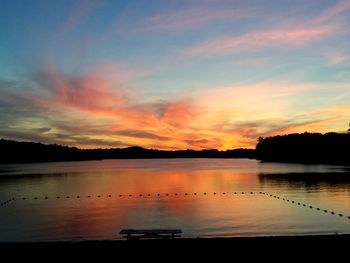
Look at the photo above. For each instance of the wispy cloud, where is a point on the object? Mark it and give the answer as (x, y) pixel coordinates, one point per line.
(336, 58)
(80, 11)
(288, 35)
(92, 110)
(297, 37)
(98, 98)
(192, 18)
(332, 12)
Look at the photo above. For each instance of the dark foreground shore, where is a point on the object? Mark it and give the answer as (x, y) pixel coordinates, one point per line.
(281, 247)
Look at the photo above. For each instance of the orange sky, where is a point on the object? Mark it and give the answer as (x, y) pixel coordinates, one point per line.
(172, 75)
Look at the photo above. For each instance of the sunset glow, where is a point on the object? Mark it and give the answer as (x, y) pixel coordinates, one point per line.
(195, 74)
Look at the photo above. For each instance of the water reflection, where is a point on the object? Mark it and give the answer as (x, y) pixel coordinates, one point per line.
(308, 180)
(197, 215)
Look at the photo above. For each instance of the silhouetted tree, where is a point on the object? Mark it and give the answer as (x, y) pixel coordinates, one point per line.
(329, 148)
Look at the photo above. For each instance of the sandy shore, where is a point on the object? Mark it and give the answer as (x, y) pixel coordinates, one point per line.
(332, 246)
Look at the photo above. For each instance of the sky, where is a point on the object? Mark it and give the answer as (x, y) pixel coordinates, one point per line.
(192, 74)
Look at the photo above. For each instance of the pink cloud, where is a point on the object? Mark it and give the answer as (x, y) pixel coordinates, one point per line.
(192, 18)
(92, 110)
(179, 113)
(326, 24)
(101, 100)
(336, 58)
(263, 39)
(333, 12)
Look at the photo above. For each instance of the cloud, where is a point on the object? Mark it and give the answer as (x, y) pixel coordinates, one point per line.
(336, 58)
(81, 10)
(333, 12)
(94, 110)
(97, 108)
(179, 113)
(270, 127)
(289, 34)
(192, 18)
(297, 37)
(141, 134)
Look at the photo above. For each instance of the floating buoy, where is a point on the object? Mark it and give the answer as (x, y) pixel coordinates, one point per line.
(23, 198)
(298, 203)
(89, 196)
(166, 194)
(109, 195)
(283, 199)
(317, 208)
(58, 197)
(98, 196)
(332, 213)
(175, 193)
(35, 198)
(251, 193)
(304, 204)
(149, 194)
(235, 193)
(223, 193)
(340, 214)
(242, 193)
(130, 195)
(67, 196)
(205, 193)
(78, 196)
(310, 206)
(287, 200)
(325, 211)
(186, 193)
(293, 202)
(158, 194)
(140, 194)
(120, 195)
(46, 197)
(278, 197)
(195, 193)
(214, 193)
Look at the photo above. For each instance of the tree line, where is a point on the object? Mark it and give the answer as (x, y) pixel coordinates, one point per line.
(328, 148)
(309, 148)
(24, 152)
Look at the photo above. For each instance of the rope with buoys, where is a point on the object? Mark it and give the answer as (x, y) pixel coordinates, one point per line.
(175, 194)
(7, 201)
(310, 206)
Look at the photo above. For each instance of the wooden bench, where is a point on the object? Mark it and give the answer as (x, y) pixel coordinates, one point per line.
(136, 234)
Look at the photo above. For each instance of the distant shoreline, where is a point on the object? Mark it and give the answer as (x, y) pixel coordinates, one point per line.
(306, 148)
(30, 152)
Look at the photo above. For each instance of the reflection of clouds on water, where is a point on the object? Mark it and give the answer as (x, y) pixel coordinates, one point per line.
(110, 207)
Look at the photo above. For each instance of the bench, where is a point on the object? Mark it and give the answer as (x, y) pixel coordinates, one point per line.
(136, 234)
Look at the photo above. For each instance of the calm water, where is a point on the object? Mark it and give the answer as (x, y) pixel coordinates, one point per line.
(197, 214)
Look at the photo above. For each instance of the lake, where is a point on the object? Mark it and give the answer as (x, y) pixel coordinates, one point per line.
(94, 200)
